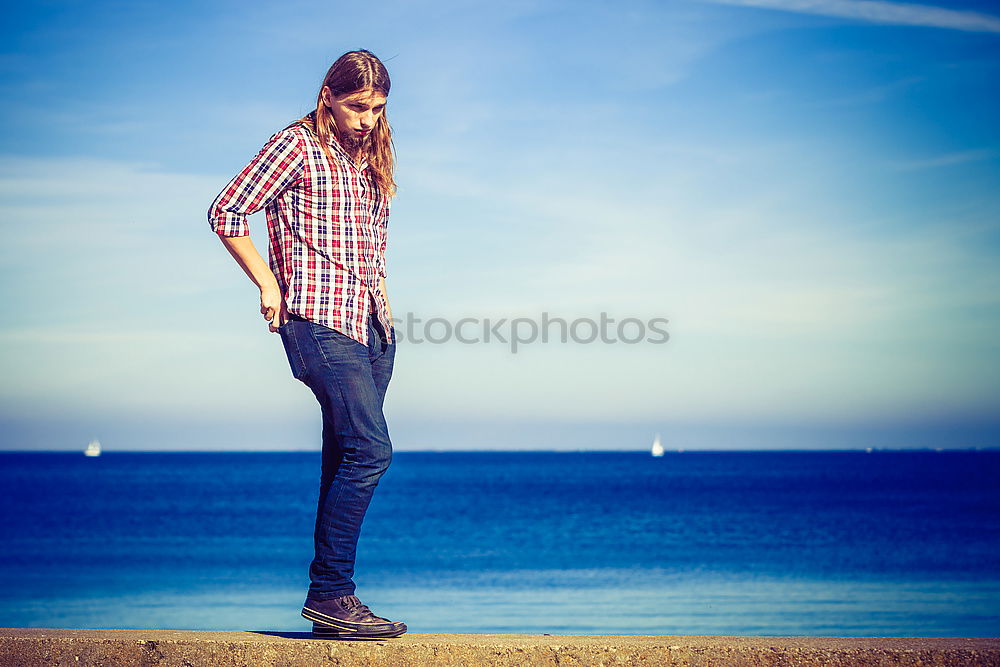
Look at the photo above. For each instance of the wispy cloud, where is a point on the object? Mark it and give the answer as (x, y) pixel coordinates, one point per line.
(945, 160)
(874, 11)
(872, 95)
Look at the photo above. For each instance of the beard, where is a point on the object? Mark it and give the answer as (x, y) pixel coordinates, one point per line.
(354, 144)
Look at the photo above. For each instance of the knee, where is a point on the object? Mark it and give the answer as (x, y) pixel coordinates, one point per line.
(373, 460)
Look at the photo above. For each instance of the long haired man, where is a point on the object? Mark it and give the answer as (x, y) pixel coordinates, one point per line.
(325, 182)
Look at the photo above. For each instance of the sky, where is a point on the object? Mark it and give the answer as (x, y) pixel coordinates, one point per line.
(793, 204)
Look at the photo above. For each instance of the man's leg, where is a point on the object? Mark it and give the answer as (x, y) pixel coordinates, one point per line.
(382, 356)
(349, 381)
(356, 450)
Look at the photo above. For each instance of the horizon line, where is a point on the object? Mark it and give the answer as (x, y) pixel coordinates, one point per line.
(515, 451)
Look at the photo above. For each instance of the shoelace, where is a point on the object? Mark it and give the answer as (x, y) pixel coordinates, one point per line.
(352, 603)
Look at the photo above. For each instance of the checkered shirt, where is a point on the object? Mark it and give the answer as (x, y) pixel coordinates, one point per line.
(327, 228)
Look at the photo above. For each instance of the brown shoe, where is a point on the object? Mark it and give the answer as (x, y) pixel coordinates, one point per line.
(347, 615)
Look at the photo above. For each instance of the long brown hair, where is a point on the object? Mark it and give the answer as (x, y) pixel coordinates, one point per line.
(354, 71)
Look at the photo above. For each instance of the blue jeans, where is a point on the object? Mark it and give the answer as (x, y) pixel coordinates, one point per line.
(349, 380)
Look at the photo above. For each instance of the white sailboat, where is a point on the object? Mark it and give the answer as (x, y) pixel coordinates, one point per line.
(93, 449)
(657, 448)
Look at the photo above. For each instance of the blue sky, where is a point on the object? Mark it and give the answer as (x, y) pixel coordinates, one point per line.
(806, 190)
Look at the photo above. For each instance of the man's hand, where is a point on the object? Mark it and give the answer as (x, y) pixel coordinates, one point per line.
(272, 302)
(272, 307)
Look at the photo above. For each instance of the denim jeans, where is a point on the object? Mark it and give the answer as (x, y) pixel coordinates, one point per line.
(349, 380)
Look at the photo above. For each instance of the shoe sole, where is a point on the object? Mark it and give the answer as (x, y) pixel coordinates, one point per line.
(331, 633)
(376, 630)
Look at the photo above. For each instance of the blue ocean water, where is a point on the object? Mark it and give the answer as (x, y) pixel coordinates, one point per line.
(898, 543)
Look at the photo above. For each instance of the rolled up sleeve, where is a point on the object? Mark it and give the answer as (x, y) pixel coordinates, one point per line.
(278, 166)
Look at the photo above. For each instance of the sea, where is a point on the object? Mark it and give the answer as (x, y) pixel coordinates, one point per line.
(780, 543)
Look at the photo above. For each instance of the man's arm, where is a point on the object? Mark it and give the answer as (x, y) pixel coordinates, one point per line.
(272, 302)
(277, 166)
(385, 295)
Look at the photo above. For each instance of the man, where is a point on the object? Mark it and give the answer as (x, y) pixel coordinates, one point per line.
(325, 182)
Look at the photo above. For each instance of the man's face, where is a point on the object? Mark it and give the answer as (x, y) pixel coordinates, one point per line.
(355, 115)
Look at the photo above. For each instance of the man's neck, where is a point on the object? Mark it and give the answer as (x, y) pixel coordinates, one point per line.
(355, 149)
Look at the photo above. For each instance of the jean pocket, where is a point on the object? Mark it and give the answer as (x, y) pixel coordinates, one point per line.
(293, 351)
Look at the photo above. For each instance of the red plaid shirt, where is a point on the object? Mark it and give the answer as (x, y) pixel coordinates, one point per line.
(327, 227)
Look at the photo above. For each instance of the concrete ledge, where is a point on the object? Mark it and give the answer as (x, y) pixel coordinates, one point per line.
(25, 648)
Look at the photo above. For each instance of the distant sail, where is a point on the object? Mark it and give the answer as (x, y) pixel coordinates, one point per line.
(657, 449)
(93, 449)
